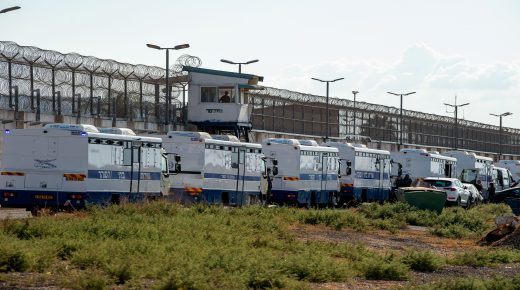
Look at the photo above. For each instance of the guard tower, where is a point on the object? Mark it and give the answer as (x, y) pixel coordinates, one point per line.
(217, 101)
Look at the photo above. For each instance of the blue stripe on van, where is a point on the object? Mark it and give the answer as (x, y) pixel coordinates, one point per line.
(122, 175)
(61, 199)
(231, 176)
(215, 196)
(318, 177)
(370, 175)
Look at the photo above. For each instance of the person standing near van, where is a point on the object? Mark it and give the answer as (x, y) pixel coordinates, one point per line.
(491, 191)
(407, 181)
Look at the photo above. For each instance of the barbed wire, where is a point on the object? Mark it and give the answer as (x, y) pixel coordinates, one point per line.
(283, 95)
(29, 68)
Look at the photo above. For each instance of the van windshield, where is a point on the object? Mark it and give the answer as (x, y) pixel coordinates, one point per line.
(469, 175)
(439, 183)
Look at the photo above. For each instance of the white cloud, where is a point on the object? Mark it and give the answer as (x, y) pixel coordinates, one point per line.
(437, 78)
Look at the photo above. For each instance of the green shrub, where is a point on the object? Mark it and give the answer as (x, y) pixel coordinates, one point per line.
(495, 283)
(377, 269)
(121, 273)
(386, 210)
(89, 280)
(334, 219)
(351, 252)
(13, 262)
(460, 223)
(424, 218)
(421, 261)
(266, 279)
(394, 216)
(313, 267)
(391, 225)
(65, 251)
(23, 230)
(483, 258)
(316, 217)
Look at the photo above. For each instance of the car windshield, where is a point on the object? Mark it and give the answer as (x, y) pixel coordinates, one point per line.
(439, 183)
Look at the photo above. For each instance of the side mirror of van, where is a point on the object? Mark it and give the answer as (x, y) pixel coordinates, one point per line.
(275, 170)
(275, 162)
(349, 167)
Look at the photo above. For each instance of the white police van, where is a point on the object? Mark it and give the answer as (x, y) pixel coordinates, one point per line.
(213, 171)
(364, 173)
(472, 167)
(502, 177)
(69, 165)
(419, 163)
(307, 173)
(513, 166)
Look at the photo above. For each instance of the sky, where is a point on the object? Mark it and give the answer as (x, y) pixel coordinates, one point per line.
(439, 49)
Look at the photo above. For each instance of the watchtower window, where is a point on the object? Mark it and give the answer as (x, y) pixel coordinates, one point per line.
(226, 95)
(217, 95)
(208, 94)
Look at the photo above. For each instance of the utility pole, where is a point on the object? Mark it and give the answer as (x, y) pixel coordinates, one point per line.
(354, 93)
(401, 116)
(327, 129)
(456, 110)
(500, 132)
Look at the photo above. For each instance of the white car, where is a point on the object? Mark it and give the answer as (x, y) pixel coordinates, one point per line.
(455, 191)
(476, 196)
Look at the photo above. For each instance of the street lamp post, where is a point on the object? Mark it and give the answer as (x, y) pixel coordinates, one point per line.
(500, 134)
(401, 116)
(354, 93)
(168, 93)
(9, 9)
(327, 104)
(239, 63)
(456, 107)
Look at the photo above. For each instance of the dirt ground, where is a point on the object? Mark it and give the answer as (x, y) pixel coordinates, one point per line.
(415, 238)
(410, 238)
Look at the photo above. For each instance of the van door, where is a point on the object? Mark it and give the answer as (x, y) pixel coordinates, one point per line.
(500, 179)
(323, 179)
(381, 169)
(239, 197)
(324, 196)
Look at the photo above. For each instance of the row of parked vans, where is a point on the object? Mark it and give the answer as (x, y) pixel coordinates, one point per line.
(69, 165)
(466, 166)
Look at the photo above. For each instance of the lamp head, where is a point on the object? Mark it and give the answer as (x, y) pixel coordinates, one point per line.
(153, 46)
(227, 61)
(10, 9)
(181, 46)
